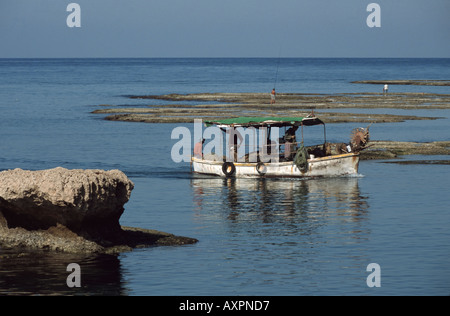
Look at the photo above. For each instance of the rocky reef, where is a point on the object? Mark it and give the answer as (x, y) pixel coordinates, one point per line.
(71, 211)
(393, 149)
(184, 108)
(407, 82)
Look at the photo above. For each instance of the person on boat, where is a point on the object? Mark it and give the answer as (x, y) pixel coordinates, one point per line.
(233, 144)
(290, 142)
(198, 149)
(272, 96)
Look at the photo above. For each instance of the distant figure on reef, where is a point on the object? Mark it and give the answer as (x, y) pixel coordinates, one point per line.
(198, 149)
(385, 89)
(272, 96)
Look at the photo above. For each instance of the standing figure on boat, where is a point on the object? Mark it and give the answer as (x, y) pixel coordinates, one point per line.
(233, 144)
(290, 143)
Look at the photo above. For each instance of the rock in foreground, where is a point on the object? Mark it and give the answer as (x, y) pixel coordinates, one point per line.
(70, 210)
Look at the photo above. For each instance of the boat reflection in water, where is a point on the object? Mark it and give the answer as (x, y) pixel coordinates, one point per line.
(285, 236)
(298, 205)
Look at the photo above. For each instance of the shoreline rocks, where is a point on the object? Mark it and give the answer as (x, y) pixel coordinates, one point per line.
(70, 210)
(88, 202)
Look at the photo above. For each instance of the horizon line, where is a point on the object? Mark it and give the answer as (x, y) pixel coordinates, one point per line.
(174, 57)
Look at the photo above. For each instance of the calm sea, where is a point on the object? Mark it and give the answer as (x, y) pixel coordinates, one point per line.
(256, 237)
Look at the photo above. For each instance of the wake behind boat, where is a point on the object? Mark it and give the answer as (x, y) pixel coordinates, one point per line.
(268, 155)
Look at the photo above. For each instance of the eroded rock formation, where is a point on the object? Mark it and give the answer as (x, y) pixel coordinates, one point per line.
(70, 210)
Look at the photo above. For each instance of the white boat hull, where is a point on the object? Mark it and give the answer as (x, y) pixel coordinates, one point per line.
(337, 165)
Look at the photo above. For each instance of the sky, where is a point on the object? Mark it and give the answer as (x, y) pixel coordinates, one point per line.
(224, 28)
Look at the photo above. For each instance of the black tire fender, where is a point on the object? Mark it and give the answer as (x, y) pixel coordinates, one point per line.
(261, 168)
(229, 169)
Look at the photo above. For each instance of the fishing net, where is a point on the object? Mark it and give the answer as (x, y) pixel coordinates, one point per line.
(301, 159)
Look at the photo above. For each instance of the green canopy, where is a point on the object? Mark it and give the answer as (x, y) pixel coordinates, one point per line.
(266, 121)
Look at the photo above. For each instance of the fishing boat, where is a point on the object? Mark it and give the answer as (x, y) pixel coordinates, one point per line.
(276, 156)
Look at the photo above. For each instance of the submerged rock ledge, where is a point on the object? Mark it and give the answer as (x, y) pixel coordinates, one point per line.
(392, 149)
(71, 211)
(419, 82)
(60, 238)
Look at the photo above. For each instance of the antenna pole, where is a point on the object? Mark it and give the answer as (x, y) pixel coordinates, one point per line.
(278, 67)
